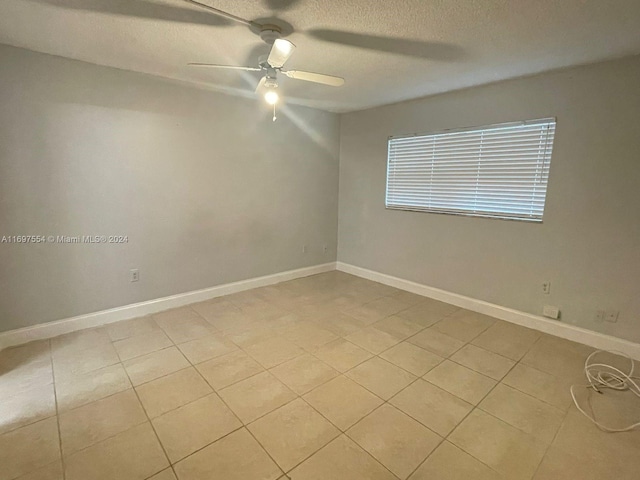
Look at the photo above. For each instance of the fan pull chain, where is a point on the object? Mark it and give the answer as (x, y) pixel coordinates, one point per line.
(274, 112)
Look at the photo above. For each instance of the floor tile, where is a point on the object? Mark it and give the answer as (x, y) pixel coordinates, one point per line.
(216, 308)
(131, 328)
(557, 356)
(84, 426)
(409, 298)
(558, 464)
(580, 438)
(248, 335)
(235, 457)
(75, 342)
(263, 311)
(464, 325)
(132, 347)
(483, 361)
(292, 433)
(172, 391)
(541, 385)
(26, 406)
(373, 340)
(342, 459)
(77, 362)
(412, 358)
(32, 352)
(381, 377)
(314, 310)
(231, 320)
(53, 471)
(342, 355)
(394, 439)
(523, 412)
(183, 324)
(303, 373)
(155, 365)
(256, 396)
(399, 327)
(194, 425)
(448, 462)
(506, 339)
(228, 369)
(273, 351)
(433, 407)
(436, 342)
(512, 453)
(308, 335)
(164, 475)
(29, 448)
(134, 455)
(341, 324)
(78, 390)
(25, 367)
(428, 312)
(466, 384)
(378, 309)
(614, 408)
(205, 348)
(343, 401)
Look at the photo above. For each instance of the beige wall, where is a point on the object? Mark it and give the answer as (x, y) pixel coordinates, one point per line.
(207, 188)
(589, 243)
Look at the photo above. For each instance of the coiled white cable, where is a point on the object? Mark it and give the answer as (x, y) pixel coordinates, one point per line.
(602, 376)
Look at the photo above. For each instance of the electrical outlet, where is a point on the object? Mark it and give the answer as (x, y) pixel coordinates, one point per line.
(546, 287)
(304, 249)
(611, 316)
(134, 275)
(551, 312)
(600, 314)
(325, 249)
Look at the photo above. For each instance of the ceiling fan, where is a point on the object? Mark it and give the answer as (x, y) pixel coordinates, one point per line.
(273, 63)
(272, 30)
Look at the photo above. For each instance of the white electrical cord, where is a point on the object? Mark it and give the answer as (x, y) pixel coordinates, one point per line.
(602, 376)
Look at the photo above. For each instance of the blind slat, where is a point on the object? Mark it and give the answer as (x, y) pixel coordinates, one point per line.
(499, 171)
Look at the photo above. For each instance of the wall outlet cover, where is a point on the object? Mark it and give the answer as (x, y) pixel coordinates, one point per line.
(551, 312)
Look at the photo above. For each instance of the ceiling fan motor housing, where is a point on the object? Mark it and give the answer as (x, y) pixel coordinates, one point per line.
(270, 33)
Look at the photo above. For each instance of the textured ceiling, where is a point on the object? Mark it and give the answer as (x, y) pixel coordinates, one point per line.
(435, 45)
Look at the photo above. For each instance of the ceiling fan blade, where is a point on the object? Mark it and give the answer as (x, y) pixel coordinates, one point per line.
(141, 9)
(226, 67)
(280, 5)
(280, 52)
(400, 46)
(315, 77)
(260, 84)
(222, 13)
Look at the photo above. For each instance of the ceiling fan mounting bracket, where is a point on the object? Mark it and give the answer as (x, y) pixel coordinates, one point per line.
(269, 33)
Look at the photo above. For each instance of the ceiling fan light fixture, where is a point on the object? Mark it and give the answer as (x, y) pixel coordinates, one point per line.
(285, 47)
(271, 97)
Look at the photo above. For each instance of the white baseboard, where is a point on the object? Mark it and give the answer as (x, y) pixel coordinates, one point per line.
(96, 319)
(536, 322)
(104, 317)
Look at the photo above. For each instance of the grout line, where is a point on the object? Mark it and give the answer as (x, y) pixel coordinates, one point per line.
(152, 427)
(55, 396)
(242, 424)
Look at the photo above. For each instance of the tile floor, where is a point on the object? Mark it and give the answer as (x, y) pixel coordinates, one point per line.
(326, 377)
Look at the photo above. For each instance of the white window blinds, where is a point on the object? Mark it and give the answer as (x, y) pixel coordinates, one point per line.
(498, 171)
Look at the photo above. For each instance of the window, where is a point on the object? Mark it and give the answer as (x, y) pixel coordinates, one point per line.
(499, 171)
